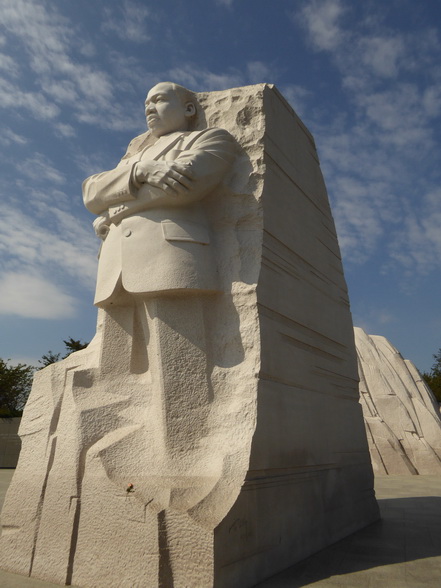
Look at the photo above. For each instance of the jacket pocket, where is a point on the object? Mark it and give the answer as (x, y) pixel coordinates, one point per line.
(185, 231)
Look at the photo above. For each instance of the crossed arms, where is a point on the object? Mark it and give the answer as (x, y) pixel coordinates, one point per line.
(148, 183)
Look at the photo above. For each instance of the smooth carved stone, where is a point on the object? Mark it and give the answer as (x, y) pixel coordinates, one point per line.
(400, 411)
(211, 434)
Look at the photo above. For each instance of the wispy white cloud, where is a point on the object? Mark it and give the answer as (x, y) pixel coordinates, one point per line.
(64, 76)
(417, 245)
(44, 33)
(128, 21)
(91, 164)
(9, 137)
(431, 100)
(358, 220)
(30, 296)
(65, 130)
(44, 248)
(202, 79)
(259, 72)
(382, 54)
(13, 97)
(374, 319)
(322, 21)
(297, 96)
(391, 82)
(62, 91)
(60, 73)
(385, 317)
(398, 111)
(9, 65)
(48, 241)
(38, 169)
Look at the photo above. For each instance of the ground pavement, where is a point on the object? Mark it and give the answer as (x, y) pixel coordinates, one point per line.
(403, 550)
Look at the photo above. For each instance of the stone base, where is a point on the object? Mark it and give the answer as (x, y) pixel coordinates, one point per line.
(282, 518)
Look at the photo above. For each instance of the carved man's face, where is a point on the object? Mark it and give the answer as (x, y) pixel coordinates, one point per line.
(165, 111)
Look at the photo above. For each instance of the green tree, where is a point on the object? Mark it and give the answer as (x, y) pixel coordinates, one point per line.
(15, 386)
(74, 345)
(433, 378)
(49, 358)
(71, 345)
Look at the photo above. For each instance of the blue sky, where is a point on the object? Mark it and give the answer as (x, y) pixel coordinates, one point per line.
(365, 77)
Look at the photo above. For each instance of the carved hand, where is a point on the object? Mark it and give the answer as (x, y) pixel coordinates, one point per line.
(172, 177)
(102, 225)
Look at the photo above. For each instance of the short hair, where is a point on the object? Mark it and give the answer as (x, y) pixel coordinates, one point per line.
(184, 94)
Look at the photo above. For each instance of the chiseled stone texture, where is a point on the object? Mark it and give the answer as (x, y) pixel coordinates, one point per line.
(275, 463)
(400, 411)
(310, 479)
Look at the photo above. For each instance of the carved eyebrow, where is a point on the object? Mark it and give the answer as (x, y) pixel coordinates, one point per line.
(155, 97)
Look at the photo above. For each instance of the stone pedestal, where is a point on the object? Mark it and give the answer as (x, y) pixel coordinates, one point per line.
(218, 439)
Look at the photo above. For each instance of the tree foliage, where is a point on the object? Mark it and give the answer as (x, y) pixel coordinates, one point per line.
(433, 378)
(49, 358)
(74, 345)
(15, 386)
(70, 344)
(16, 380)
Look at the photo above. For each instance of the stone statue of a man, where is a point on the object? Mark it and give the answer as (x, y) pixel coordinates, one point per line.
(156, 239)
(156, 273)
(128, 418)
(157, 270)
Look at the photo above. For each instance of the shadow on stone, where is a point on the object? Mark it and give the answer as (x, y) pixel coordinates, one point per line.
(407, 531)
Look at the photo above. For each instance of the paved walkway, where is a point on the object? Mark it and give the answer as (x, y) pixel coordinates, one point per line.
(403, 550)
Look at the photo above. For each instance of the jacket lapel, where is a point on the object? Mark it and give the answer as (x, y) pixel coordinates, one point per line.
(162, 145)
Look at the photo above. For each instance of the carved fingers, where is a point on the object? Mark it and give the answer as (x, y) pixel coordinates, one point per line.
(172, 177)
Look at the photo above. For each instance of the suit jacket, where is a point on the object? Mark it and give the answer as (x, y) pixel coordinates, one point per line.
(157, 242)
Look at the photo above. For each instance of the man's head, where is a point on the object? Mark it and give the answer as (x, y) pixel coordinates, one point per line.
(169, 108)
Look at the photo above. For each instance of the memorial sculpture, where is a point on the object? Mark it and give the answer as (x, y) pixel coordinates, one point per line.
(191, 443)
(402, 415)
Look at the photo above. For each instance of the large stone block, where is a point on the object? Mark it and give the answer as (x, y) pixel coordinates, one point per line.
(212, 437)
(309, 481)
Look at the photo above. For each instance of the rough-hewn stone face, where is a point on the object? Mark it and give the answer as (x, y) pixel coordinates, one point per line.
(231, 443)
(309, 456)
(402, 416)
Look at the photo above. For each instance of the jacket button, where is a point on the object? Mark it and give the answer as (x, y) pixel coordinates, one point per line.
(127, 233)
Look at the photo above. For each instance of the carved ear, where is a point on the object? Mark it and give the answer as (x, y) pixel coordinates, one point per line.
(190, 109)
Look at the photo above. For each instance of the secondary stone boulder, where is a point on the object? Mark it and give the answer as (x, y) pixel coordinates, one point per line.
(400, 411)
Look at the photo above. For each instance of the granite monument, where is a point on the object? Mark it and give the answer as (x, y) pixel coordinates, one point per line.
(211, 434)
